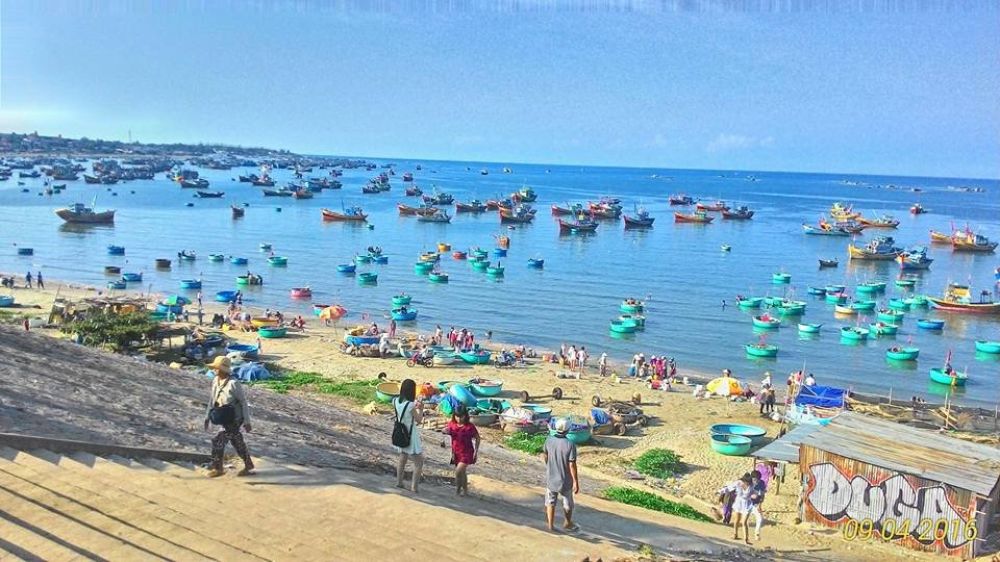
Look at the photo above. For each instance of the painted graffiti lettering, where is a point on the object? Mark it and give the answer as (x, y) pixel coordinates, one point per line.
(892, 504)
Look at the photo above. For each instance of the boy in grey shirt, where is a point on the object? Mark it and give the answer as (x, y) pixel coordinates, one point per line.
(560, 475)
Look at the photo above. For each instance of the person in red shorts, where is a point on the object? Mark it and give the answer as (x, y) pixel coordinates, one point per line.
(464, 447)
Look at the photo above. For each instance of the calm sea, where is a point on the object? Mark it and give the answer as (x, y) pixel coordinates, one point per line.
(680, 267)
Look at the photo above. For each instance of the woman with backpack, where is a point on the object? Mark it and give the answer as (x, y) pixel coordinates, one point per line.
(464, 447)
(229, 408)
(406, 432)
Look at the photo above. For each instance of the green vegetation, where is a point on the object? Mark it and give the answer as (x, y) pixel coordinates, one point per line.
(361, 392)
(646, 500)
(658, 463)
(118, 331)
(529, 443)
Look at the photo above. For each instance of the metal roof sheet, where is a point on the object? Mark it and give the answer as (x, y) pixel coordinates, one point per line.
(786, 448)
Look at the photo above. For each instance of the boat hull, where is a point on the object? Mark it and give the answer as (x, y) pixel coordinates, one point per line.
(104, 217)
(939, 376)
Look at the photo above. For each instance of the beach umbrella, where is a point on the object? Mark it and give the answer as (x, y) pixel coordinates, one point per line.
(332, 313)
(724, 386)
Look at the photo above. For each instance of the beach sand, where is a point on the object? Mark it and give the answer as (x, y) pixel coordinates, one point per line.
(678, 421)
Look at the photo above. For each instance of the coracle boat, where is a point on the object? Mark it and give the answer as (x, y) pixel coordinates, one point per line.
(459, 255)
(381, 259)
(767, 322)
(499, 252)
(132, 277)
(698, 218)
(573, 210)
(423, 267)
(863, 306)
(844, 309)
(401, 299)
(750, 302)
(940, 237)
(474, 206)
(755, 434)
(740, 213)
(385, 392)
(731, 445)
(577, 226)
(244, 350)
(265, 247)
(781, 278)
(116, 250)
(237, 260)
(437, 216)
(476, 356)
(884, 221)
(190, 284)
(958, 298)
(836, 299)
(638, 320)
(902, 353)
(112, 270)
(352, 214)
(761, 350)
(238, 212)
(948, 376)
(715, 207)
(117, 285)
(430, 257)
(367, 278)
(991, 347)
(6, 301)
(905, 283)
(413, 191)
(871, 287)
(480, 264)
(818, 291)
(810, 328)
(891, 316)
(495, 271)
(914, 258)
(899, 304)
(487, 388)
(78, 213)
(536, 263)
(404, 314)
(881, 248)
(362, 259)
(681, 200)
(579, 432)
(917, 209)
(301, 292)
(853, 333)
(225, 296)
(622, 327)
(929, 324)
(272, 332)
(631, 306)
(791, 308)
(249, 280)
(187, 255)
(640, 220)
(346, 268)
(437, 277)
(277, 261)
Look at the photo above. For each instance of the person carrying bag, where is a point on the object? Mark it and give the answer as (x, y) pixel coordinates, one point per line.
(230, 410)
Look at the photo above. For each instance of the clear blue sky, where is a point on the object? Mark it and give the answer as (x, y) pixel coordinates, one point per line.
(913, 93)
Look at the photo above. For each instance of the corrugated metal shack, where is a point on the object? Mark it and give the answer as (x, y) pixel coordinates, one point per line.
(880, 480)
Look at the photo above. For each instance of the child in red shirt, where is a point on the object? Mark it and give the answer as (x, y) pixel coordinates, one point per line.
(464, 447)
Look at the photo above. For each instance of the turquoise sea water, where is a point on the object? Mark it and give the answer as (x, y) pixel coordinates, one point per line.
(680, 266)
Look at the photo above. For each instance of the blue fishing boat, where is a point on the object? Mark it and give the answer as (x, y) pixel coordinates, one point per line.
(362, 259)
(404, 314)
(216, 257)
(277, 261)
(423, 267)
(499, 252)
(225, 296)
(25, 251)
(750, 302)
(781, 278)
(810, 328)
(368, 278)
(117, 285)
(401, 299)
(928, 324)
(116, 250)
(346, 268)
(132, 277)
(190, 283)
(238, 261)
(186, 255)
(380, 259)
(536, 263)
(816, 291)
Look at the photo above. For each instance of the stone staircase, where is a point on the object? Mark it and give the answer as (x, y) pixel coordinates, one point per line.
(79, 506)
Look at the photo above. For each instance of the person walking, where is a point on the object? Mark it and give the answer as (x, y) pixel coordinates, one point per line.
(39, 282)
(602, 363)
(562, 479)
(27, 280)
(741, 507)
(758, 489)
(464, 447)
(392, 328)
(406, 433)
(228, 408)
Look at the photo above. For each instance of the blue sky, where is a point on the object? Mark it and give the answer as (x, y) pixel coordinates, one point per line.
(910, 93)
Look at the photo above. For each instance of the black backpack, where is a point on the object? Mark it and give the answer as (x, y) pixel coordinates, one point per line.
(400, 433)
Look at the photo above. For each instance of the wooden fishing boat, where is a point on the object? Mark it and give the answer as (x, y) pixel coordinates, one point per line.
(112, 270)
(883, 329)
(346, 268)
(713, 207)
(277, 261)
(761, 350)
(132, 277)
(514, 217)
(238, 212)
(430, 257)
(819, 291)
(958, 298)
(367, 278)
(841, 213)
(842, 309)
(209, 194)
(680, 200)
(971, 242)
(948, 377)
(474, 206)
(766, 322)
(881, 248)
(750, 302)
(439, 216)
(984, 346)
(914, 259)
(116, 250)
(828, 230)
(406, 210)
(810, 328)
(577, 226)
(896, 353)
(301, 292)
(940, 237)
(459, 255)
(854, 333)
(640, 220)
(573, 210)
(117, 285)
(437, 277)
(740, 213)
(353, 214)
(828, 263)
(525, 194)
(884, 221)
(413, 191)
(697, 218)
(78, 213)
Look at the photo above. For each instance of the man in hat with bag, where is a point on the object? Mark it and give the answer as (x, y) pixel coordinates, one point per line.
(230, 410)
(561, 475)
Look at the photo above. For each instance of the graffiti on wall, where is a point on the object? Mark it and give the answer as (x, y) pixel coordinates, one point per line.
(891, 509)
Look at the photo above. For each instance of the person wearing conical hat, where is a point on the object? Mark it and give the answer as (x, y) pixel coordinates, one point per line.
(230, 410)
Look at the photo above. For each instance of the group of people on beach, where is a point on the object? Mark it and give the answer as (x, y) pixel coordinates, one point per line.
(8, 282)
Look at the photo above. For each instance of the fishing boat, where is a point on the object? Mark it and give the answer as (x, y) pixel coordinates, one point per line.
(726, 248)
(883, 329)
(476, 356)
(199, 183)
(190, 283)
(929, 324)
(870, 287)
(940, 237)
(699, 217)
(917, 209)
(863, 306)
(277, 261)
(367, 278)
(346, 268)
(362, 259)
(573, 210)
(78, 213)
(898, 304)
(351, 214)
(897, 353)
(116, 250)
(301, 292)
(854, 333)
(236, 260)
(536, 263)
(825, 229)
(968, 241)
(474, 206)
(401, 299)
(249, 280)
(828, 263)
(791, 308)
(437, 277)
(810, 328)
(917, 300)
(883, 221)
(740, 213)
(843, 309)
(767, 322)
(819, 291)
(958, 298)
(216, 257)
(277, 192)
(438, 198)
(714, 207)
(749, 302)
(891, 316)
(87, 178)
(525, 194)
(209, 194)
(761, 350)
(459, 255)
(622, 327)
(117, 285)
(880, 248)
(238, 212)
(272, 332)
(187, 255)
(439, 216)
(781, 278)
(162, 263)
(640, 220)
(577, 226)
(991, 347)
(682, 200)
(517, 215)
(480, 264)
(132, 277)
(413, 191)
(914, 259)
(841, 213)
(495, 271)
(637, 319)
(302, 194)
(948, 376)
(225, 296)
(499, 252)
(430, 257)
(407, 176)
(631, 306)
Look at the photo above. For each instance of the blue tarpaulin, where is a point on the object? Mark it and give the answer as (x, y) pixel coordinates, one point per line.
(251, 372)
(821, 396)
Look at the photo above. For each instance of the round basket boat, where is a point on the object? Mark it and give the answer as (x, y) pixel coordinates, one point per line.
(443, 386)
(381, 259)
(438, 277)
(499, 253)
(6, 300)
(386, 391)
(630, 308)
(480, 265)
(752, 302)
(216, 257)
(579, 432)
(464, 395)
(132, 277)
(864, 305)
(538, 412)
(346, 268)
(400, 315)
(883, 329)
(781, 278)
(244, 350)
(238, 261)
(25, 251)
(423, 267)
(277, 261)
(368, 278)
(902, 354)
(480, 357)
(162, 263)
(622, 327)
(991, 347)
(836, 298)
(957, 379)
(899, 304)
(272, 332)
(402, 299)
(731, 445)
(483, 418)
(767, 323)
(810, 328)
(445, 358)
(112, 270)
(486, 388)
(853, 333)
(927, 324)
(190, 284)
(117, 285)
(752, 432)
(761, 350)
(263, 322)
(891, 316)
